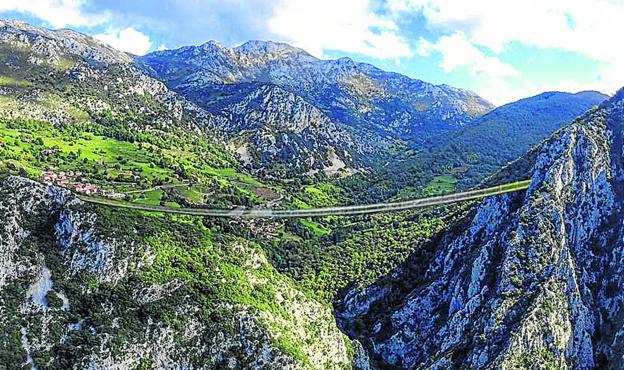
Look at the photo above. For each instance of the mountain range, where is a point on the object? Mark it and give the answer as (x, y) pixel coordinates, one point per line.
(260, 83)
(369, 110)
(524, 280)
(351, 93)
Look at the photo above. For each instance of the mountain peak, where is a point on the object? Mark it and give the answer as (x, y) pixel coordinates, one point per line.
(14, 23)
(592, 92)
(54, 45)
(619, 95)
(210, 44)
(259, 48)
(349, 91)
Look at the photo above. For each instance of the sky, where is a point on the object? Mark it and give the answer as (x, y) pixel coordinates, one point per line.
(503, 50)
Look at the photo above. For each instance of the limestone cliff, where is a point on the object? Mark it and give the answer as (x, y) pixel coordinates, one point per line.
(94, 288)
(526, 280)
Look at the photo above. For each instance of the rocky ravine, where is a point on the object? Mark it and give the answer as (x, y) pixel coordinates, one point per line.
(79, 291)
(529, 280)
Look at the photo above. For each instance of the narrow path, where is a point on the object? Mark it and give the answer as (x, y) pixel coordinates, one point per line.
(321, 212)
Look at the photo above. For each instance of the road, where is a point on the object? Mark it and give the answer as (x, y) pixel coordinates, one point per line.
(321, 212)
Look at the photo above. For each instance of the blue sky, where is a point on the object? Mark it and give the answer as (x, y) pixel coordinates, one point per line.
(503, 50)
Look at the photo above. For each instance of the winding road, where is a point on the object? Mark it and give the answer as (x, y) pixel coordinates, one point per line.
(321, 212)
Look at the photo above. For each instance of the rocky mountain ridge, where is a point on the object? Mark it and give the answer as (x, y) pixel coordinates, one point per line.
(526, 280)
(65, 77)
(352, 93)
(368, 107)
(469, 155)
(53, 46)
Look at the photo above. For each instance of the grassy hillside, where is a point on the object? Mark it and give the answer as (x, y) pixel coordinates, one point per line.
(130, 166)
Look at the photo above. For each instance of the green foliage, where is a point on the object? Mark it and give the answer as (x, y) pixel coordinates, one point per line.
(316, 227)
(322, 194)
(291, 349)
(213, 267)
(8, 81)
(54, 301)
(441, 185)
(104, 157)
(137, 146)
(358, 249)
(541, 359)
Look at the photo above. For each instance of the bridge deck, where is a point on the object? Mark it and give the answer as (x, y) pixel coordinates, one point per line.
(321, 212)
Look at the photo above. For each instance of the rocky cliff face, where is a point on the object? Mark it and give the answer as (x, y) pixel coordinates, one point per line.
(54, 46)
(66, 77)
(271, 127)
(354, 93)
(526, 280)
(86, 288)
(368, 107)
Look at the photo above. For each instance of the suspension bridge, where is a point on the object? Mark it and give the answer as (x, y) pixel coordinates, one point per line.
(351, 210)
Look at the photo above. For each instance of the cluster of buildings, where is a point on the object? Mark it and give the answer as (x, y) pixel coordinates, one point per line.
(61, 179)
(70, 179)
(261, 228)
(87, 188)
(49, 152)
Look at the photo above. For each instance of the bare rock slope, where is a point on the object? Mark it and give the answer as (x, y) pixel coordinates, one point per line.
(87, 288)
(527, 280)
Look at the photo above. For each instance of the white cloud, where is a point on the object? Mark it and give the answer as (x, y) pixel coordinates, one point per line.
(71, 13)
(57, 13)
(162, 47)
(347, 25)
(129, 40)
(581, 26)
(585, 27)
(458, 52)
(500, 92)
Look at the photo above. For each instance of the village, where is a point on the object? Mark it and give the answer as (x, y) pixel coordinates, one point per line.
(73, 180)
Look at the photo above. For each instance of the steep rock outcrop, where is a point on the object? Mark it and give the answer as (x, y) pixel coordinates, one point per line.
(277, 128)
(527, 280)
(349, 92)
(82, 289)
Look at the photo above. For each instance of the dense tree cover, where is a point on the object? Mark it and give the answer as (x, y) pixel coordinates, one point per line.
(474, 152)
(358, 250)
(199, 264)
